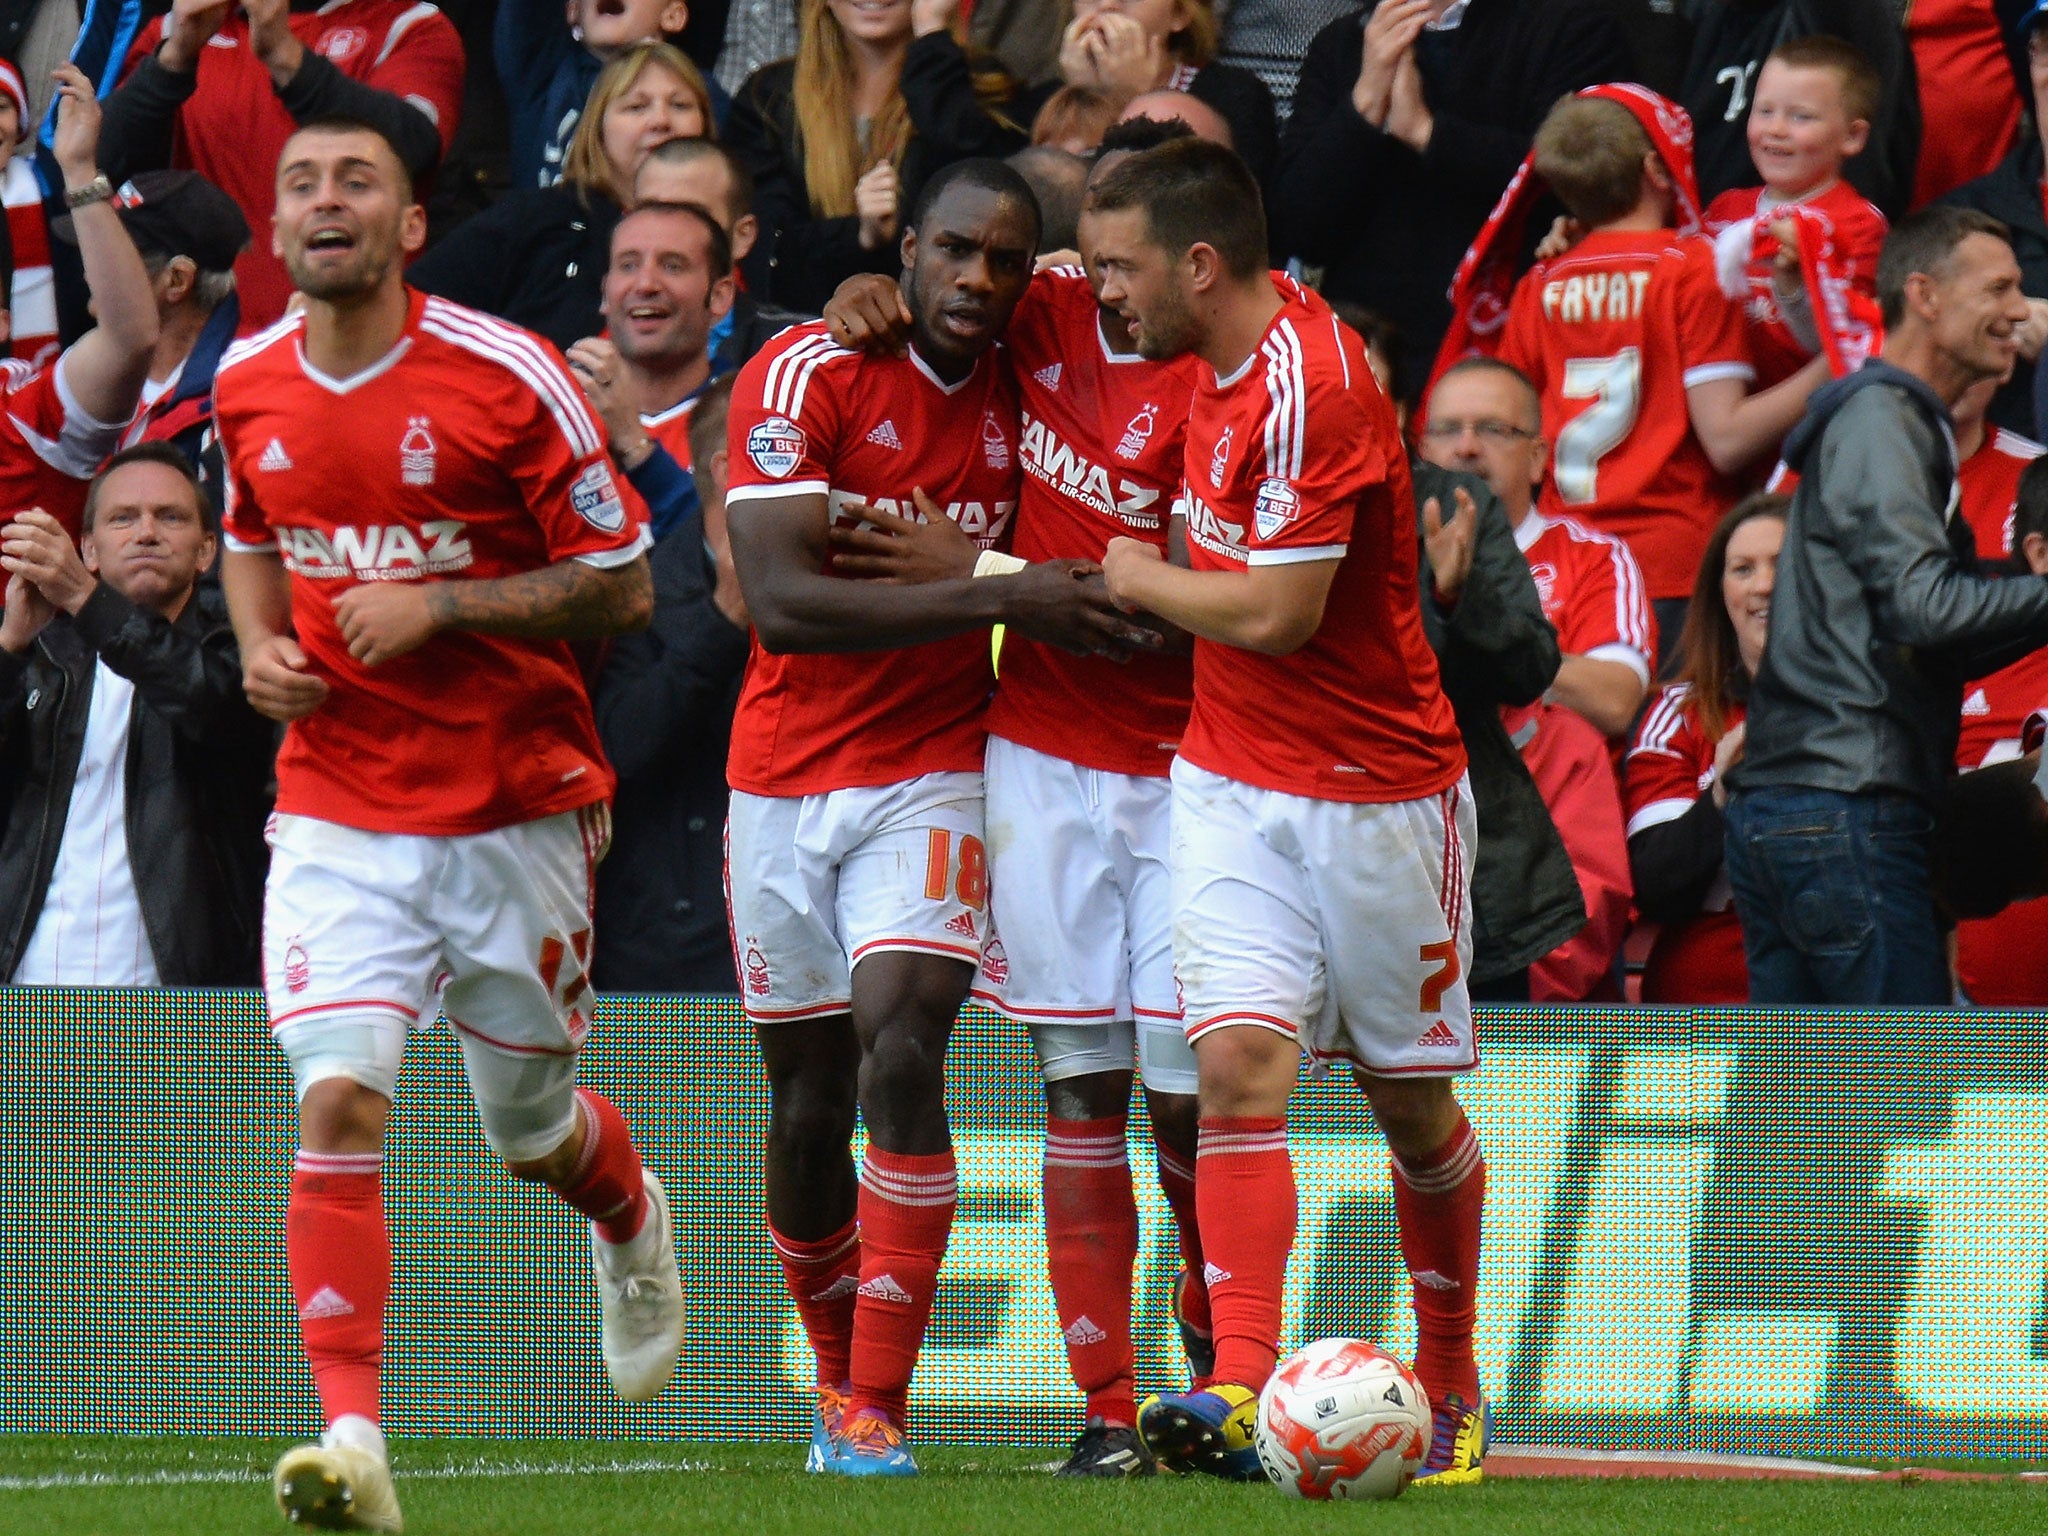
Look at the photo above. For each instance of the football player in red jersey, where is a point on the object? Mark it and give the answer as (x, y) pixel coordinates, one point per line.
(1078, 809)
(420, 515)
(858, 873)
(1322, 824)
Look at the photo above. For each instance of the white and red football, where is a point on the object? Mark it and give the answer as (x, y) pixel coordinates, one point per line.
(1342, 1419)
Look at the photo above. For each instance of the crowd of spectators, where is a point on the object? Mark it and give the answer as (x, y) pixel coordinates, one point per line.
(674, 182)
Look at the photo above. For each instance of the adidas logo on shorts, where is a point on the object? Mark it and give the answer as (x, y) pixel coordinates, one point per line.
(962, 925)
(1439, 1037)
(885, 436)
(885, 1288)
(1084, 1330)
(325, 1302)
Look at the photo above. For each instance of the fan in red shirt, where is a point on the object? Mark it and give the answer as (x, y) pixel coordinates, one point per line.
(218, 89)
(420, 515)
(1078, 808)
(2002, 961)
(1814, 100)
(1966, 123)
(59, 422)
(1675, 775)
(1642, 363)
(1322, 824)
(857, 864)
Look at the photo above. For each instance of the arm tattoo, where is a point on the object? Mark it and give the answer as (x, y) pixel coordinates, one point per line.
(568, 600)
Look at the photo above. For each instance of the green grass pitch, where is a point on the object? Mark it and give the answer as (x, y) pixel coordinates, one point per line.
(68, 1486)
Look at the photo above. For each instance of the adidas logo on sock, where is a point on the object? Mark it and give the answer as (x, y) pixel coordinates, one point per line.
(1434, 1279)
(274, 457)
(325, 1302)
(962, 925)
(1049, 375)
(885, 1288)
(1211, 1273)
(885, 436)
(845, 1285)
(1440, 1036)
(1083, 1330)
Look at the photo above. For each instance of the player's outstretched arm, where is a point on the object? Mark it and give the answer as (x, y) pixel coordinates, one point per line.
(569, 600)
(1273, 609)
(276, 675)
(779, 545)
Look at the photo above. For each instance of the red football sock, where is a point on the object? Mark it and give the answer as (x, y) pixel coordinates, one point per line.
(1091, 1246)
(821, 1277)
(339, 1255)
(906, 1212)
(1438, 1201)
(1177, 1183)
(1245, 1193)
(606, 1185)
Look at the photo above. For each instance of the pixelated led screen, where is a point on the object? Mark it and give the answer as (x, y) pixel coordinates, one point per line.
(1806, 1234)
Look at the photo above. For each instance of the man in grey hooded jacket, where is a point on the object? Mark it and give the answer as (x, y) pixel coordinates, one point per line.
(1879, 617)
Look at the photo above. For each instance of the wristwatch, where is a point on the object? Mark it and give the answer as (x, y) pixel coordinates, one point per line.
(98, 190)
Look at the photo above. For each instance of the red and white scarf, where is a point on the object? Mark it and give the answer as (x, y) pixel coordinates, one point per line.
(1847, 318)
(1485, 279)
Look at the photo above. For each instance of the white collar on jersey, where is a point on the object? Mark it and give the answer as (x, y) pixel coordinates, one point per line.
(938, 383)
(383, 365)
(1529, 530)
(1109, 353)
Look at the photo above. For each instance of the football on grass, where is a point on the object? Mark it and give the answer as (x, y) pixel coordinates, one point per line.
(1342, 1419)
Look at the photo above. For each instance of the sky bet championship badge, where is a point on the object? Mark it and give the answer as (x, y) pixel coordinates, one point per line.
(1276, 507)
(596, 499)
(776, 446)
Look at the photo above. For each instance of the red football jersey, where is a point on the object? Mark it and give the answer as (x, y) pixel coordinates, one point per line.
(1592, 591)
(1968, 110)
(808, 417)
(1670, 766)
(1104, 437)
(234, 126)
(1297, 457)
(1858, 232)
(49, 448)
(1995, 707)
(1613, 333)
(671, 429)
(466, 452)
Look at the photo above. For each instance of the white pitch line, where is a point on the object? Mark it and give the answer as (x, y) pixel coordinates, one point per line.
(404, 1474)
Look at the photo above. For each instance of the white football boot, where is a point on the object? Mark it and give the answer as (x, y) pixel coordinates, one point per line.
(642, 1296)
(342, 1483)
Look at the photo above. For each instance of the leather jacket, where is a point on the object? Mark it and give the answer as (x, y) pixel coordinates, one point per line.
(198, 780)
(1880, 613)
(1494, 647)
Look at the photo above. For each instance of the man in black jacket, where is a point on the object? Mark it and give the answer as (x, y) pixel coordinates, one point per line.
(664, 713)
(1483, 618)
(1878, 617)
(1411, 117)
(133, 773)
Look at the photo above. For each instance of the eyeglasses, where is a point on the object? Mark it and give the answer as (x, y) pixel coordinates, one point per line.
(1487, 431)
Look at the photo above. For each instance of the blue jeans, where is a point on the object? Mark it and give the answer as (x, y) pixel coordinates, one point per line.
(1835, 898)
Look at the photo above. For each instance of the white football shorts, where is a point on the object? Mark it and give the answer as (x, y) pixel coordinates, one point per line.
(815, 883)
(366, 934)
(1345, 927)
(1081, 909)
